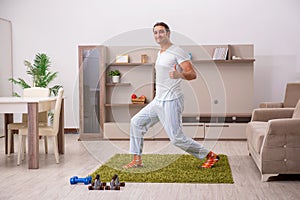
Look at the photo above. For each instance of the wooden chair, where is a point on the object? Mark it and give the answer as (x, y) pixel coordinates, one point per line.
(43, 116)
(46, 131)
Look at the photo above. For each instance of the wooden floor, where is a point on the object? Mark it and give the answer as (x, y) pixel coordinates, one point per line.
(51, 181)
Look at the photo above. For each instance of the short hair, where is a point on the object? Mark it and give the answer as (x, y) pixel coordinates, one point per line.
(162, 24)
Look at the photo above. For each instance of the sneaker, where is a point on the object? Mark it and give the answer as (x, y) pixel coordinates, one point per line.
(136, 162)
(211, 160)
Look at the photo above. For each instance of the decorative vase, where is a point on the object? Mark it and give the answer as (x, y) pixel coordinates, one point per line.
(115, 79)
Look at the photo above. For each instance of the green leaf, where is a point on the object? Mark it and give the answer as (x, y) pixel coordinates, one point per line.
(54, 90)
(20, 82)
(39, 72)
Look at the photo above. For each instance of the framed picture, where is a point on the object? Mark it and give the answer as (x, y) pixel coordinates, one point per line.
(122, 59)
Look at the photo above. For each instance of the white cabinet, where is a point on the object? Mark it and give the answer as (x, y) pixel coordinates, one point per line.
(225, 131)
(193, 130)
(213, 127)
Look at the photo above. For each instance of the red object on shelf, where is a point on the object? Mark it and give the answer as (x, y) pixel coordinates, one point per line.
(133, 96)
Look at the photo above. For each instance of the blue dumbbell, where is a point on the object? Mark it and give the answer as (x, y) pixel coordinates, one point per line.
(87, 180)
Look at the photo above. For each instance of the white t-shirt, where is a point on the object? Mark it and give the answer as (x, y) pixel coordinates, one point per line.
(167, 88)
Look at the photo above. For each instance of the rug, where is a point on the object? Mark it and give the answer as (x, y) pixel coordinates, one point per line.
(165, 168)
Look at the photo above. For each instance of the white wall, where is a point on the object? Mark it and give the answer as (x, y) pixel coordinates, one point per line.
(5, 63)
(57, 28)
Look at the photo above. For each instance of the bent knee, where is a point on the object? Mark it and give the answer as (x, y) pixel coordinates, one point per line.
(137, 121)
(134, 121)
(178, 141)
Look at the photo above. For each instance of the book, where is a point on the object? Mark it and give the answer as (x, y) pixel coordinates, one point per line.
(220, 53)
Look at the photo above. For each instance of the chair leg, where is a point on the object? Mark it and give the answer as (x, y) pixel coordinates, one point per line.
(55, 146)
(20, 146)
(9, 142)
(24, 146)
(46, 144)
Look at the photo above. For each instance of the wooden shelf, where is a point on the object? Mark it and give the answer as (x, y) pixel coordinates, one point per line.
(217, 118)
(131, 64)
(125, 104)
(225, 61)
(217, 115)
(117, 84)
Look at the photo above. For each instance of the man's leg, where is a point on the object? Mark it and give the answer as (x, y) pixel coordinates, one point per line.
(171, 118)
(139, 125)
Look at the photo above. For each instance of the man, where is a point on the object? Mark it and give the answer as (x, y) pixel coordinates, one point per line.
(172, 65)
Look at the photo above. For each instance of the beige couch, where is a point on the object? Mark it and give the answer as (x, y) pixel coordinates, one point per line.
(292, 94)
(273, 138)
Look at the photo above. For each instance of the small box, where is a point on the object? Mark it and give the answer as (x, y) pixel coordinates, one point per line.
(144, 58)
(122, 59)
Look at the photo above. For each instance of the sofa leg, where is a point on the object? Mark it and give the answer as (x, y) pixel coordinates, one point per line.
(265, 177)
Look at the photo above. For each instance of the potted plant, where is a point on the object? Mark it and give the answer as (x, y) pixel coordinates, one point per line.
(115, 74)
(40, 74)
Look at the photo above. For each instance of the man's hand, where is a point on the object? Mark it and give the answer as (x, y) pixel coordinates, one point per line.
(175, 74)
(188, 72)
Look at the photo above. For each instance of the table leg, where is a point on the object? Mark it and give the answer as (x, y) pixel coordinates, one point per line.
(8, 118)
(33, 136)
(61, 134)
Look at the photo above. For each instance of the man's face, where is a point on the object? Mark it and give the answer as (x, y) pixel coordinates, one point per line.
(160, 34)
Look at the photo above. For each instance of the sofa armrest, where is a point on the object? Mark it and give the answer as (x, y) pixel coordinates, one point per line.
(284, 126)
(271, 105)
(266, 114)
(281, 147)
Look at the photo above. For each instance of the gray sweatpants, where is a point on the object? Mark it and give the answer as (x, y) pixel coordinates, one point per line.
(169, 113)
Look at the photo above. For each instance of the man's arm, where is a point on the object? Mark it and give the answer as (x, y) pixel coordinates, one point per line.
(188, 72)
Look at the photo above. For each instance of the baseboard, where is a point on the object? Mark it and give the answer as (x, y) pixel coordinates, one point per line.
(66, 131)
(71, 130)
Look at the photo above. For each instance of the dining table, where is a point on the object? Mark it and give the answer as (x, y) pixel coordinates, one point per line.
(32, 106)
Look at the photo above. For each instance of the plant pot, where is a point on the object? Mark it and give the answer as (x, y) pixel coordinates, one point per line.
(115, 79)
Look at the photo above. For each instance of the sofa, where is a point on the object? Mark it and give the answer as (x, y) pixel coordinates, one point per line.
(273, 140)
(291, 96)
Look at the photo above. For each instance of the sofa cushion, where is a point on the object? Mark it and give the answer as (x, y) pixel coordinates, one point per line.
(296, 113)
(256, 133)
(292, 94)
